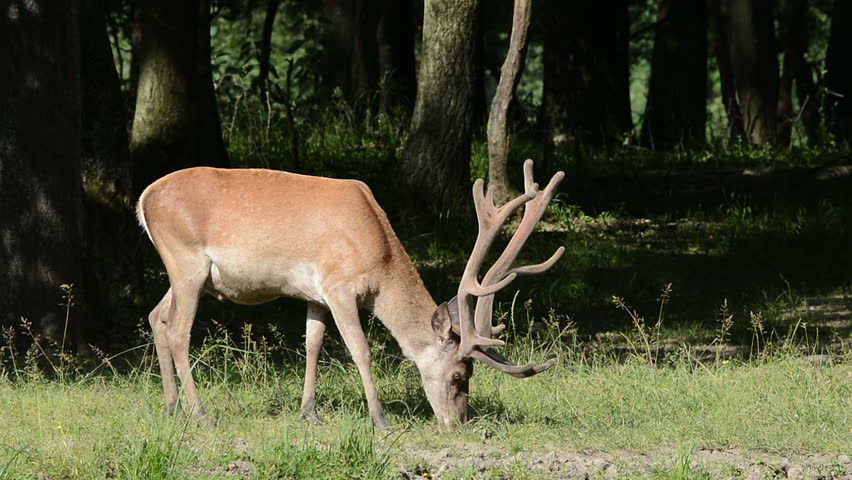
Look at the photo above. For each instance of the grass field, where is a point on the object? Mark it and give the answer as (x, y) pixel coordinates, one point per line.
(594, 412)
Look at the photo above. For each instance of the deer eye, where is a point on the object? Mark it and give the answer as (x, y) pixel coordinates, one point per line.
(457, 377)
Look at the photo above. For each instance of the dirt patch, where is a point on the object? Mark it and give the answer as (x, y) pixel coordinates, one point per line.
(590, 464)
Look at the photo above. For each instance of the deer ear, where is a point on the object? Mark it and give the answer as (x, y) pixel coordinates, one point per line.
(442, 324)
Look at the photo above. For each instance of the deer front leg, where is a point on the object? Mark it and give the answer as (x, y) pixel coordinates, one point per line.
(314, 333)
(345, 312)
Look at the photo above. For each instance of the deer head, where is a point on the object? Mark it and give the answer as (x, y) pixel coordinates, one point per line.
(463, 328)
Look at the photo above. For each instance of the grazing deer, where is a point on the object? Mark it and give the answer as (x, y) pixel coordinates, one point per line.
(252, 235)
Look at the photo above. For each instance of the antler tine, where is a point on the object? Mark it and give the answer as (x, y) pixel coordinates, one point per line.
(494, 359)
(490, 219)
(533, 212)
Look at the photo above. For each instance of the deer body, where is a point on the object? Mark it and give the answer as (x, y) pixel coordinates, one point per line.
(253, 235)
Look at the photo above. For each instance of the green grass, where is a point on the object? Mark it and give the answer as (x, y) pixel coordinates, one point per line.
(109, 425)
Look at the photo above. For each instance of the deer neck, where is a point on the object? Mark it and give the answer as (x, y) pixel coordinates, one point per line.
(405, 307)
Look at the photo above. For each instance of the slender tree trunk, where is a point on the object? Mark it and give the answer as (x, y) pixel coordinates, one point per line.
(176, 123)
(721, 47)
(755, 68)
(794, 52)
(676, 112)
(41, 213)
(436, 156)
(395, 43)
(207, 106)
(499, 139)
(115, 273)
(809, 98)
(266, 46)
(838, 77)
(586, 71)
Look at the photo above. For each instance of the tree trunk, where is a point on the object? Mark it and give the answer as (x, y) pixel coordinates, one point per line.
(266, 47)
(350, 35)
(726, 76)
(436, 156)
(586, 71)
(838, 77)
(809, 98)
(176, 123)
(114, 273)
(395, 43)
(41, 214)
(794, 52)
(755, 68)
(676, 112)
(499, 139)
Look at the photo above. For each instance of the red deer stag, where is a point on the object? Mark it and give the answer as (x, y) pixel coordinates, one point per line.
(252, 235)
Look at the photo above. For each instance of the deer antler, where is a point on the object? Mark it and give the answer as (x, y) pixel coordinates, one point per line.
(533, 211)
(476, 332)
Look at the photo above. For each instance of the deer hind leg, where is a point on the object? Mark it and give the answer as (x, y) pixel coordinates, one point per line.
(159, 318)
(345, 312)
(314, 333)
(186, 290)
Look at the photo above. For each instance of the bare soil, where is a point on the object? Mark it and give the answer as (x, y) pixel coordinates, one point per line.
(591, 464)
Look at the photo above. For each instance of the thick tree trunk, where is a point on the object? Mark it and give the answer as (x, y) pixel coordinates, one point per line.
(838, 77)
(794, 52)
(755, 68)
(395, 42)
(721, 47)
(676, 112)
(436, 156)
(41, 214)
(586, 71)
(110, 224)
(499, 139)
(176, 123)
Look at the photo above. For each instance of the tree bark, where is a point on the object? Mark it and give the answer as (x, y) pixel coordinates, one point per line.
(499, 138)
(436, 156)
(721, 47)
(114, 274)
(586, 71)
(755, 68)
(838, 77)
(676, 112)
(176, 123)
(41, 214)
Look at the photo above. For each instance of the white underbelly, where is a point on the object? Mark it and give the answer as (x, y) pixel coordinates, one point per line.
(250, 281)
